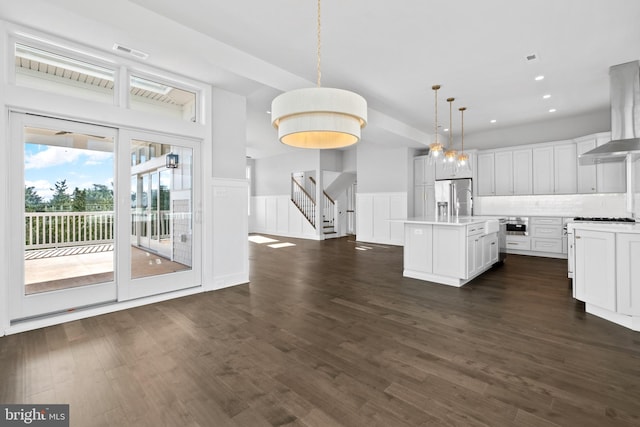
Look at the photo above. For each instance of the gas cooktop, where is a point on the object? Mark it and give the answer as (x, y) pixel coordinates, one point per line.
(603, 219)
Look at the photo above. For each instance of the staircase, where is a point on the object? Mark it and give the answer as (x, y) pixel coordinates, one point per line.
(306, 203)
(303, 201)
(328, 211)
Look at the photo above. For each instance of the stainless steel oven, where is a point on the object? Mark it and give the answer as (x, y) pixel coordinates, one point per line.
(517, 226)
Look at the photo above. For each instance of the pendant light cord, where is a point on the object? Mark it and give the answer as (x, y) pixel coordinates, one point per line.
(462, 127)
(319, 46)
(435, 88)
(450, 100)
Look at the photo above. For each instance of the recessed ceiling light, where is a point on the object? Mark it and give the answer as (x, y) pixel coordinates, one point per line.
(493, 120)
(268, 111)
(446, 130)
(540, 77)
(553, 110)
(547, 96)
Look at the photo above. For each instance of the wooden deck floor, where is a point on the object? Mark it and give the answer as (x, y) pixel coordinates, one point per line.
(327, 335)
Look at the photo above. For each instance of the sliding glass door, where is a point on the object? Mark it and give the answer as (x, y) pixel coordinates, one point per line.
(165, 238)
(64, 193)
(100, 215)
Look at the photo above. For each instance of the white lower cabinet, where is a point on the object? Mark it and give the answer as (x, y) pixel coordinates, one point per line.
(546, 245)
(490, 250)
(448, 254)
(595, 268)
(482, 252)
(448, 251)
(474, 255)
(518, 243)
(419, 238)
(628, 269)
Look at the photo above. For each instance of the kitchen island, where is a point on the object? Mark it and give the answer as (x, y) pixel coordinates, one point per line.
(451, 250)
(606, 270)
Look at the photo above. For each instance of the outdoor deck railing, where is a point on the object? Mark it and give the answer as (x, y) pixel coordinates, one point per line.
(61, 229)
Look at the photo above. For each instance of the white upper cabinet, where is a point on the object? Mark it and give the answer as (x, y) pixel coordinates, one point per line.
(486, 177)
(522, 172)
(503, 173)
(423, 172)
(512, 172)
(543, 170)
(565, 168)
(611, 176)
(549, 168)
(586, 174)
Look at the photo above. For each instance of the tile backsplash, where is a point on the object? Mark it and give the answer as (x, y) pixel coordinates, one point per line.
(566, 205)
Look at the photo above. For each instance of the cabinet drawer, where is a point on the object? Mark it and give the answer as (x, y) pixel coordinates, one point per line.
(521, 243)
(546, 220)
(472, 230)
(547, 231)
(547, 245)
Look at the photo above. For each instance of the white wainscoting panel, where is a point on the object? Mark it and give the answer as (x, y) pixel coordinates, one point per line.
(278, 216)
(230, 230)
(373, 212)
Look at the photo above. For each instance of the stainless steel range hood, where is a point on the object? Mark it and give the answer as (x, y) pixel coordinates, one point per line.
(625, 116)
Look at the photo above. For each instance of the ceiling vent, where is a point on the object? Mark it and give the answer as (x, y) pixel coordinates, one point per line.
(532, 57)
(129, 51)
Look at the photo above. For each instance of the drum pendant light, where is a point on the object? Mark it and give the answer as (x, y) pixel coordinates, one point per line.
(319, 117)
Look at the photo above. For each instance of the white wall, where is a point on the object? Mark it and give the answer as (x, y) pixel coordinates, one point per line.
(381, 169)
(228, 255)
(228, 126)
(349, 160)
(384, 176)
(549, 130)
(272, 175)
(331, 160)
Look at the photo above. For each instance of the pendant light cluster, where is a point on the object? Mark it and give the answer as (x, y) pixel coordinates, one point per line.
(319, 117)
(451, 159)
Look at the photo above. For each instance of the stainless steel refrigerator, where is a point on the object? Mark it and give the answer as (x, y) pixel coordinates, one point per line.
(454, 197)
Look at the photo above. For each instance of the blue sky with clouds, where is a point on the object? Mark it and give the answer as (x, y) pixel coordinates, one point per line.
(44, 165)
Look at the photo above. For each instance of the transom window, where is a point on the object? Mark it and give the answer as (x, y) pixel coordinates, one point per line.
(68, 74)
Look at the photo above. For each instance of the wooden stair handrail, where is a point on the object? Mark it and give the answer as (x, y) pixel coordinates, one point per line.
(312, 179)
(302, 188)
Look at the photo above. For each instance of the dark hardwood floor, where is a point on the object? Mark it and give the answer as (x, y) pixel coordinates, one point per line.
(327, 335)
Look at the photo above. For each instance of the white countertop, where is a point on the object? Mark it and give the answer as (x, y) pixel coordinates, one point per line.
(614, 227)
(453, 220)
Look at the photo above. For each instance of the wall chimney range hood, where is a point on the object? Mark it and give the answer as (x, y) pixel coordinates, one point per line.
(624, 82)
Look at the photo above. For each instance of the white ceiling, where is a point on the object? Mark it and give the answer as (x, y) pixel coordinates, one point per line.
(389, 52)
